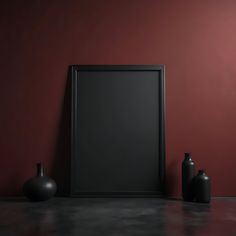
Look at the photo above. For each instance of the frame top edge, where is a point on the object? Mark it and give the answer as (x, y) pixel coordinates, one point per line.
(118, 67)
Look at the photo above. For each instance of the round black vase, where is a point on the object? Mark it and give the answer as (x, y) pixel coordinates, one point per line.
(188, 172)
(40, 187)
(202, 187)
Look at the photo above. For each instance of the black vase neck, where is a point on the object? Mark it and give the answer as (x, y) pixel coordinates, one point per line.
(201, 172)
(187, 157)
(40, 171)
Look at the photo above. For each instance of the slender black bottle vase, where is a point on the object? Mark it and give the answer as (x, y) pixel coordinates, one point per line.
(202, 187)
(188, 172)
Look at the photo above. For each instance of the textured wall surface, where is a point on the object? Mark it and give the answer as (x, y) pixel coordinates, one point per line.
(194, 39)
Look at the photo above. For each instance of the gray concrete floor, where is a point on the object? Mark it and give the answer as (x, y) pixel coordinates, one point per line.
(117, 217)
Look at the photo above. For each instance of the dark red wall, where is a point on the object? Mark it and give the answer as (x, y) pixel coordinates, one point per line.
(196, 40)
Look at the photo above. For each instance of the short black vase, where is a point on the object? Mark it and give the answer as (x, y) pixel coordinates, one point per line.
(40, 187)
(188, 172)
(202, 187)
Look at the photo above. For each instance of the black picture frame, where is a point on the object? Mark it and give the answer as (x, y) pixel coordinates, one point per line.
(74, 76)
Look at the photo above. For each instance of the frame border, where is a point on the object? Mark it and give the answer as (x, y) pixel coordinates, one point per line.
(74, 70)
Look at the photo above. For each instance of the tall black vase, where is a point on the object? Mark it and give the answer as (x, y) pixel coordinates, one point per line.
(202, 187)
(40, 187)
(188, 172)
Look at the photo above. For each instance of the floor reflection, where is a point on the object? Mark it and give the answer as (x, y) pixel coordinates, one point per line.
(114, 217)
(195, 218)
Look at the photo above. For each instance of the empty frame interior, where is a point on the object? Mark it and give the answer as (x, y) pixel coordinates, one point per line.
(117, 130)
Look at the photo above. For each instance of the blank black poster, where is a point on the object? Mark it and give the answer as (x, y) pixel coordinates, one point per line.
(117, 130)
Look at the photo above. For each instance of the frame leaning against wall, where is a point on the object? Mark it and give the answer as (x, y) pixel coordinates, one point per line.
(74, 77)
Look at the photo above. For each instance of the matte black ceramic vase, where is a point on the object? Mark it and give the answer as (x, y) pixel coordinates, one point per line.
(40, 187)
(202, 187)
(188, 172)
